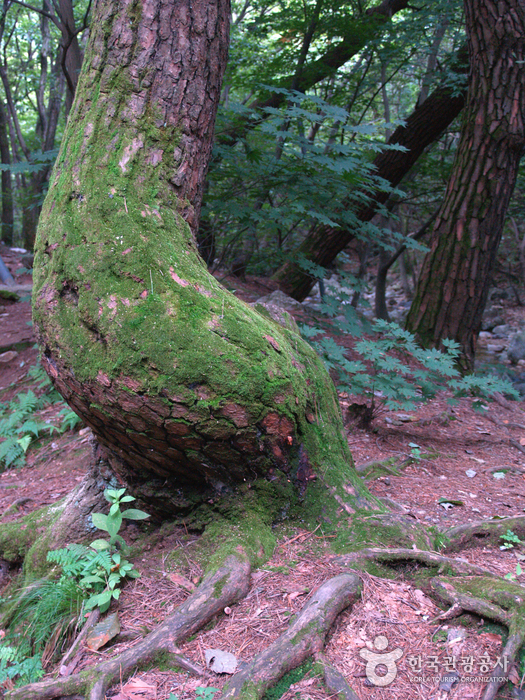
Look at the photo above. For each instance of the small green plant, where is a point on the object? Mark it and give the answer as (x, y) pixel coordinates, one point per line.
(509, 540)
(415, 451)
(200, 693)
(100, 569)
(17, 666)
(205, 693)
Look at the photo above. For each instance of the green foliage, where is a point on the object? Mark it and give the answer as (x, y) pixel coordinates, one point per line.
(509, 540)
(396, 372)
(17, 666)
(19, 426)
(271, 188)
(99, 569)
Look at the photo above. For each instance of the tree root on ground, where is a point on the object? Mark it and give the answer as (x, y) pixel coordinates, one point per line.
(334, 681)
(304, 637)
(475, 534)
(386, 556)
(506, 606)
(483, 592)
(219, 589)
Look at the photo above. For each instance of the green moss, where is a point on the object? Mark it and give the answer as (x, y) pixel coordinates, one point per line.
(377, 530)
(293, 676)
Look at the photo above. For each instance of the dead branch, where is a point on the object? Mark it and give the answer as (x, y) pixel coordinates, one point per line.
(219, 589)
(304, 637)
(66, 668)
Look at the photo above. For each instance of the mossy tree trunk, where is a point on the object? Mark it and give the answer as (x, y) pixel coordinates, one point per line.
(188, 390)
(455, 277)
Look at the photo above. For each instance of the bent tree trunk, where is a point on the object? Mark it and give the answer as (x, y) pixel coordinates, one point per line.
(187, 389)
(454, 280)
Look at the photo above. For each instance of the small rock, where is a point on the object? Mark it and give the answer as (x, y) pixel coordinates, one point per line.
(516, 349)
(501, 331)
(485, 335)
(103, 632)
(494, 348)
(6, 357)
(492, 318)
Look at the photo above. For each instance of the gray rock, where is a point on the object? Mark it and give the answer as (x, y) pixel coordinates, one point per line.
(501, 331)
(275, 306)
(492, 318)
(281, 299)
(516, 349)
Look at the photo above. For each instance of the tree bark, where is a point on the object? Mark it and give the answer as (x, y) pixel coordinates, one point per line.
(188, 390)
(424, 126)
(454, 280)
(7, 187)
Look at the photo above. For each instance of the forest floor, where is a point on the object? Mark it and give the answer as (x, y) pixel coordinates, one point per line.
(461, 466)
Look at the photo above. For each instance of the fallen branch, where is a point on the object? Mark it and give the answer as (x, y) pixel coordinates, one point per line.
(303, 638)
(459, 566)
(224, 587)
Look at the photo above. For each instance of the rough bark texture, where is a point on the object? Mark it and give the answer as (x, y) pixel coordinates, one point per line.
(424, 126)
(186, 387)
(454, 280)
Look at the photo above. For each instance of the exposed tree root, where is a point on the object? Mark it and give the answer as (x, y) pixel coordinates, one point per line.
(334, 680)
(223, 587)
(304, 637)
(385, 556)
(474, 534)
(506, 606)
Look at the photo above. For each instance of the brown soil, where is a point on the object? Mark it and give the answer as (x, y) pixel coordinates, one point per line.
(462, 458)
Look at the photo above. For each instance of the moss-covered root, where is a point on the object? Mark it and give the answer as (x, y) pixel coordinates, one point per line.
(334, 680)
(225, 586)
(481, 532)
(400, 554)
(304, 637)
(501, 601)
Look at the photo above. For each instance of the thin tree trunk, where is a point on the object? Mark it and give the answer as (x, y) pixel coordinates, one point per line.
(453, 283)
(7, 188)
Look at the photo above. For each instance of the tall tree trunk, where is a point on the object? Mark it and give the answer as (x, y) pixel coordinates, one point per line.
(71, 53)
(424, 126)
(187, 389)
(453, 283)
(7, 188)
